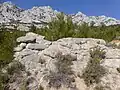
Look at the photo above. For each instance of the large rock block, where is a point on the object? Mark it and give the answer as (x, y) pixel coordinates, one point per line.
(30, 37)
(36, 46)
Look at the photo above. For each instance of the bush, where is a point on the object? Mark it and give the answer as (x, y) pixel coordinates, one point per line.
(13, 72)
(63, 75)
(4, 77)
(99, 88)
(58, 28)
(24, 86)
(41, 88)
(97, 53)
(114, 46)
(16, 67)
(94, 71)
(63, 27)
(7, 43)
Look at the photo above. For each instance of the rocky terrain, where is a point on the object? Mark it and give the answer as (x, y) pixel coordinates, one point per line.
(60, 64)
(11, 16)
(95, 20)
(39, 56)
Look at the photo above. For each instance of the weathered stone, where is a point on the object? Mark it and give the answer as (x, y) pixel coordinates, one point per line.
(26, 39)
(30, 37)
(39, 59)
(36, 46)
(20, 47)
(113, 54)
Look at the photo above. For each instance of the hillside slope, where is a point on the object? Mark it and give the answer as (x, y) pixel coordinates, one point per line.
(39, 16)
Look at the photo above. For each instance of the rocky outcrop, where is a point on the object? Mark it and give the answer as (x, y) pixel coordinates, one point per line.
(9, 12)
(12, 16)
(80, 18)
(39, 56)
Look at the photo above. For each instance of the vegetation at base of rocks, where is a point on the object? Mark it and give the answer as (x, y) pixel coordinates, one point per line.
(118, 69)
(7, 43)
(58, 28)
(94, 71)
(97, 53)
(63, 27)
(99, 88)
(113, 45)
(16, 67)
(63, 74)
(12, 73)
(41, 88)
(23, 86)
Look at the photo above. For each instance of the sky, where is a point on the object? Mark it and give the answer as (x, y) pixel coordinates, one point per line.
(89, 7)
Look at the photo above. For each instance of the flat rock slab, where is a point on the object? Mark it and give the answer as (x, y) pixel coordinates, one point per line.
(36, 46)
(26, 39)
(113, 54)
(30, 37)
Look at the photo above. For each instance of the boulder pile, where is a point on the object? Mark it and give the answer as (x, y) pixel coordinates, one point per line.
(39, 57)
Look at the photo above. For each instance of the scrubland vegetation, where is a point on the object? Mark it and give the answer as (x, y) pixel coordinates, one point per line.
(61, 28)
(94, 71)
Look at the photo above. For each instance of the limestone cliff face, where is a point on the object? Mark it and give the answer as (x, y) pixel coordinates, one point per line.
(10, 14)
(39, 56)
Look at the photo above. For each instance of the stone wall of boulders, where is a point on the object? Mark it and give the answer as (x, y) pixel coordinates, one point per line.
(33, 48)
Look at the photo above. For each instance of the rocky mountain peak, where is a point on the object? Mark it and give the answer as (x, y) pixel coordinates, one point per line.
(8, 4)
(80, 14)
(9, 13)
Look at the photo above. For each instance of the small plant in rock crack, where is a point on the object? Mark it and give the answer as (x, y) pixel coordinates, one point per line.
(63, 75)
(16, 67)
(94, 71)
(97, 53)
(99, 88)
(13, 71)
(118, 69)
(113, 45)
(41, 88)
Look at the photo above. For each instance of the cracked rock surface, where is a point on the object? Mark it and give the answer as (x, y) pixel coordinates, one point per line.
(39, 59)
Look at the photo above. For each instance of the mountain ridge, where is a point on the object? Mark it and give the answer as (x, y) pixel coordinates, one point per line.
(12, 14)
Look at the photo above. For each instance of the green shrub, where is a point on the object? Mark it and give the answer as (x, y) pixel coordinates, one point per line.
(13, 72)
(58, 28)
(16, 67)
(7, 43)
(99, 88)
(4, 77)
(64, 63)
(97, 53)
(113, 45)
(41, 88)
(63, 75)
(24, 86)
(94, 71)
(62, 28)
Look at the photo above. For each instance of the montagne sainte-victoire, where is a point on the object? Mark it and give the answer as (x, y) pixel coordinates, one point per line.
(10, 15)
(44, 49)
